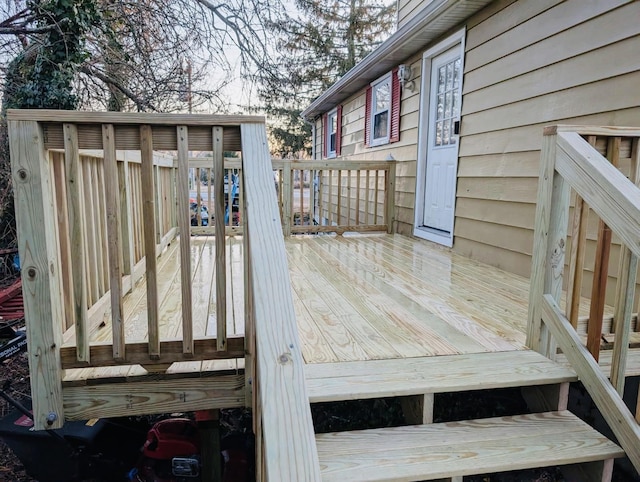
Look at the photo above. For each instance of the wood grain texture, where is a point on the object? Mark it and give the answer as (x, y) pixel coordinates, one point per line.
(114, 237)
(102, 356)
(611, 405)
(461, 448)
(142, 398)
(290, 452)
(625, 292)
(411, 376)
(149, 214)
(221, 273)
(609, 193)
(76, 230)
(39, 258)
(184, 226)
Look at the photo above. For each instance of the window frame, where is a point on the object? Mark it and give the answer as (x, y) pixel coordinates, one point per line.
(373, 141)
(332, 114)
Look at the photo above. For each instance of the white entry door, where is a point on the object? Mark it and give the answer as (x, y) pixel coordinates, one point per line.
(442, 142)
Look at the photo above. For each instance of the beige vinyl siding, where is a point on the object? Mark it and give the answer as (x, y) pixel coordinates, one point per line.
(530, 64)
(403, 151)
(407, 9)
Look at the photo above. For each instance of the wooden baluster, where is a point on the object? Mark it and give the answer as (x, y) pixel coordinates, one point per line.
(625, 292)
(377, 197)
(156, 183)
(209, 173)
(320, 189)
(577, 254)
(229, 209)
(367, 209)
(600, 271)
(221, 270)
(124, 188)
(312, 197)
(389, 197)
(339, 203)
(114, 239)
(358, 175)
(184, 226)
(287, 194)
(198, 199)
(330, 197)
(78, 245)
(348, 223)
(301, 173)
(149, 226)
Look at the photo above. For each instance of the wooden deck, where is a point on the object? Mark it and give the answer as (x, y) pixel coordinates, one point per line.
(357, 298)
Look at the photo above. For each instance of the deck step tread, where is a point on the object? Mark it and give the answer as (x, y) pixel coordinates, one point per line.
(412, 376)
(433, 451)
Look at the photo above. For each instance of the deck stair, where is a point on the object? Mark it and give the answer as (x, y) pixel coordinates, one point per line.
(453, 449)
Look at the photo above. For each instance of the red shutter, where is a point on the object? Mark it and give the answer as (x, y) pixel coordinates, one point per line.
(367, 117)
(323, 137)
(338, 130)
(394, 135)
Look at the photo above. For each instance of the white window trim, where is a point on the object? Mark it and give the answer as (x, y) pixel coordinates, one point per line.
(381, 140)
(420, 231)
(331, 154)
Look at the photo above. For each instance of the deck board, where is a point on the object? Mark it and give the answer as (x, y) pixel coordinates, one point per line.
(356, 298)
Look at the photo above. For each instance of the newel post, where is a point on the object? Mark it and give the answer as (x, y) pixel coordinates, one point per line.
(549, 244)
(390, 201)
(41, 269)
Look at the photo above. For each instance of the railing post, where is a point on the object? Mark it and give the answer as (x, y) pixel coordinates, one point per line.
(390, 197)
(549, 244)
(41, 274)
(287, 193)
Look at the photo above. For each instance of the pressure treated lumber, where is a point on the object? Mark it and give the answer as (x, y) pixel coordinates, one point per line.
(455, 449)
(412, 376)
(171, 351)
(114, 238)
(221, 279)
(142, 398)
(289, 448)
(39, 258)
(611, 405)
(78, 314)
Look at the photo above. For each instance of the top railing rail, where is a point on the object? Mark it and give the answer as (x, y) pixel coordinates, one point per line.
(588, 160)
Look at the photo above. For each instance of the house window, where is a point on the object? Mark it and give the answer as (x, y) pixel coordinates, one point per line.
(382, 111)
(331, 124)
(332, 133)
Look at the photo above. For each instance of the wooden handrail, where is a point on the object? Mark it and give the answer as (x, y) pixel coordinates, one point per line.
(569, 161)
(286, 450)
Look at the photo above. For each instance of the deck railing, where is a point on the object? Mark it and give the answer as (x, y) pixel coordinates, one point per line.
(89, 227)
(334, 196)
(572, 158)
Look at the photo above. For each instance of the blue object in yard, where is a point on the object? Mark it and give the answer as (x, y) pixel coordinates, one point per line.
(234, 193)
(16, 262)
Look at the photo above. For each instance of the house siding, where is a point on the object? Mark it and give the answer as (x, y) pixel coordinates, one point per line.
(528, 65)
(407, 9)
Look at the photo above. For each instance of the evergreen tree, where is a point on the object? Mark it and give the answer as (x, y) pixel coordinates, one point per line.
(316, 46)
